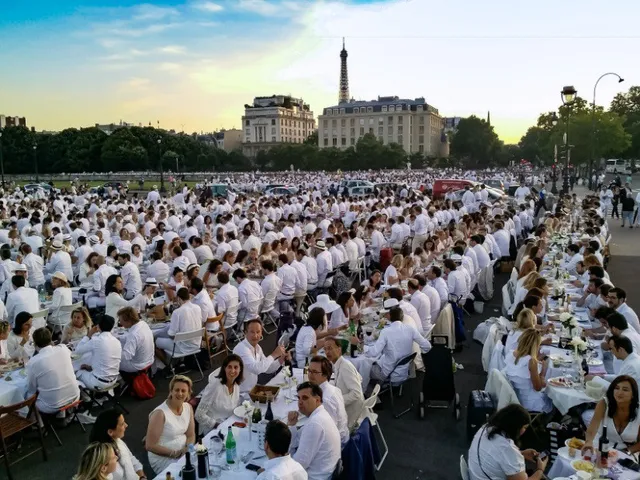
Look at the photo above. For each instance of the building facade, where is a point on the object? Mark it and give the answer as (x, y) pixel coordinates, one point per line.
(229, 140)
(8, 121)
(273, 121)
(414, 124)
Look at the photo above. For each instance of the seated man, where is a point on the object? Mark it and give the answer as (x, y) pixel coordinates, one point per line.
(280, 465)
(186, 318)
(319, 447)
(50, 373)
(137, 343)
(106, 353)
(320, 370)
(622, 349)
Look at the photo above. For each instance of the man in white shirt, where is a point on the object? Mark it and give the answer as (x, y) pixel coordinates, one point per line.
(137, 344)
(347, 379)
(618, 301)
(280, 466)
(249, 295)
(50, 373)
(422, 304)
(186, 318)
(100, 277)
(226, 299)
(59, 261)
(130, 276)
(456, 281)
(106, 353)
(271, 283)
(202, 299)
(253, 358)
(202, 252)
(622, 349)
(521, 192)
(573, 257)
(288, 275)
(432, 294)
(325, 264)
(320, 371)
(318, 443)
(22, 299)
(434, 274)
(503, 239)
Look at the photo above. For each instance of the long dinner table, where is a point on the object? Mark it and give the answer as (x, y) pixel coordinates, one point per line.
(246, 440)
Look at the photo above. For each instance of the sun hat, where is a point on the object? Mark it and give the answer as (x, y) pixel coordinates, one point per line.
(388, 304)
(150, 281)
(60, 276)
(320, 245)
(56, 245)
(324, 301)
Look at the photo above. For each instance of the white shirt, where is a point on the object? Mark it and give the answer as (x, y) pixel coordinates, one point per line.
(629, 366)
(249, 293)
(457, 283)
(503, 239)
(395, 343)
(138, 346)
(282, 468)
(186, 318)
(131, 279)
(203, 301)
(305, 341)
(334, 405)
(312, 270)
(100, 277)
(442, 288)
(255, 362)
(288, 275)
(106, 353)
(35, 268)
(23, 299)
(226, 299)
(630, 316)
(62, 297)
(50, 373)
(499, 457)
(60, 262)
(159, 270)
(319, 447)
(423, 305)
(434, 301)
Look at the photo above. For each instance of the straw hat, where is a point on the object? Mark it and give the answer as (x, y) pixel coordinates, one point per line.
(60, 276)
(56, 245)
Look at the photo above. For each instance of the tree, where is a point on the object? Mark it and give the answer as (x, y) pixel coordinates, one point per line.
(312, 139)
(536, 147)
(121, 151)
(475, 142)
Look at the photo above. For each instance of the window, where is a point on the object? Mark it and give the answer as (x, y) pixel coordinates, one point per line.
(335, 111)
(342, 110)
(343, 122)
(380, 120)
(326, 142)
(400, 130)
(352, 141)
(398, 107)
(371, 130)
(421, 129)
(384, 108)
(335, 132)
(421, 148)
(362, 121)
(420, 138)
(421, 121)
(400, 139)
(335, 142)
(343, 141)
(325, 123)
(352, 122)
(392, 108)
(273, 121)
(381, 139)
(419, 108)
(273, 139)
(248, 131)
(334, 123)
(369, 109)
(389, 119)
(370, 121)
(356, 110)
(400, 120)
(353, 132)
(328, 111)
(326, 133)
(380, 131)
(361, 131)
(246, 123)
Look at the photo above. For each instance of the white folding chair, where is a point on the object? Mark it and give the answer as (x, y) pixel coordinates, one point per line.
(464, 468)
(40, 318)
(367, 412)
(230, 323)
(61, 316)
(186, 339)
(267, 310)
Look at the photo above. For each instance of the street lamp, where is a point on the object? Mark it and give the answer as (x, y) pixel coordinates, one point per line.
(593, 126)
(554, 187)
(35, 161)
(162, 190)
(568, 96)
(1, 159)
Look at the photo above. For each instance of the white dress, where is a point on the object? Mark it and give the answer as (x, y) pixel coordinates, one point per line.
(216, 404)
(174, 435)
(127, 465)
(512, 340)
(520, 378)
(629, 435)
(338, 319)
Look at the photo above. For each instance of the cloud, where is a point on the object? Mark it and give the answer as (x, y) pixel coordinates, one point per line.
(208, 7)
(136, 82)
(169, 67)
(259, 7)
(147, 11)
(173, 50)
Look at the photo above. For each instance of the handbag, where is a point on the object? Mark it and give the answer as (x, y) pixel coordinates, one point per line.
(143, 387)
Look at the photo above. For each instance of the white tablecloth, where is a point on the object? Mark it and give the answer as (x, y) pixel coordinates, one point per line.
(284, 403)
(562, 467)
(13, 391)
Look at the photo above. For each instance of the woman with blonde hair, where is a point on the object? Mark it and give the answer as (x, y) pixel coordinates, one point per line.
(408, 265)
(525, 374)
(525, 320)
(526, 268)
(392, 274)
(78, 327)
(522, 287)
(98, 462)
(171, 426)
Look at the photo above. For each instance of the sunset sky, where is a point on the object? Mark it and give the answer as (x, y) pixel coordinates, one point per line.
(193, 65)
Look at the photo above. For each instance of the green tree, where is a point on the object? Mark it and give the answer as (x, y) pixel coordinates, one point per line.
(475, 143)
(118, 152)
(536, 147)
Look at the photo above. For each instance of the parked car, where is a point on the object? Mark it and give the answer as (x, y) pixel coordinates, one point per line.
(494, 183)
(274, 191)
(442, 186)
(494, 194)
(361, 191)
(30, 188)
(293, 189)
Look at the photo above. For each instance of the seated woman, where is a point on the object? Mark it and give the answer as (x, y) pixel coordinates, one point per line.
(493, 454)
(392, 274)
(176, 282)
(4, 334)
(618, 411)
(171, 426)
(526, 319)
(110, 428)
(311, 336)
(221, 396)
(524, 373)
(19, 343)
(523, 288)
(340, 318)
(78, 327)
(374, 284)
(98, 462)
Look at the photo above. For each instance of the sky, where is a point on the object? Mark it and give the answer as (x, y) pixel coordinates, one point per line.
(193, 65)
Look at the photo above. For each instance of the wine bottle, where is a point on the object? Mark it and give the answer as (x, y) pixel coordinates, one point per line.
(268, 416)
(305, 371)
(604, 448)
(188, 471)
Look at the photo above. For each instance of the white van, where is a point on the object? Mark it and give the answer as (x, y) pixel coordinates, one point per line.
(615, 165)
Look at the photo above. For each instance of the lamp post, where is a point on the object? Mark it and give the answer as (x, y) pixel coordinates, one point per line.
(162, 190)
(1, 159)
(554, 187)
(35, 161)
(593, 125)
(568, 95)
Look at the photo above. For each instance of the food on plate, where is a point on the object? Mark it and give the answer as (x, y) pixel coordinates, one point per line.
(575, 443)
(561, 382)
(583, 465)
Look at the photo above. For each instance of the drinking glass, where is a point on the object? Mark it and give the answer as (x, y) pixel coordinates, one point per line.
(215, 447)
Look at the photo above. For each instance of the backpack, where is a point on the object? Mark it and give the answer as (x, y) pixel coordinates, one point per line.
(142, 387)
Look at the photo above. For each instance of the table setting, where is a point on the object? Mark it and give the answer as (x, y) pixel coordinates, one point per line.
(13, 383)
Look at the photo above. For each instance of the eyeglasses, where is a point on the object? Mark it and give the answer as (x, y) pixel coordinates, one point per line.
(316, 372)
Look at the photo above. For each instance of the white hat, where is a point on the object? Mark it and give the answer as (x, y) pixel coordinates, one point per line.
(320, 245)
(585, 238)
(60, 276)
(56, 245)
(19, 267)
(268, 226)
(94, 239)
(127, 218)
(456, 258)
(67, 237)
(150, 281)
(388, 304)
(324, 301)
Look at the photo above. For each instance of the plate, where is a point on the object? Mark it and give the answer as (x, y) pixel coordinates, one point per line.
(583, 465)
(240, 411)
(561, 359)
(594, 362)
(578, 440)
(10, 367)
(560, 382)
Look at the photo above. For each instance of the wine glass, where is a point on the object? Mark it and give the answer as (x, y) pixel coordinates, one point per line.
(215, 448)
